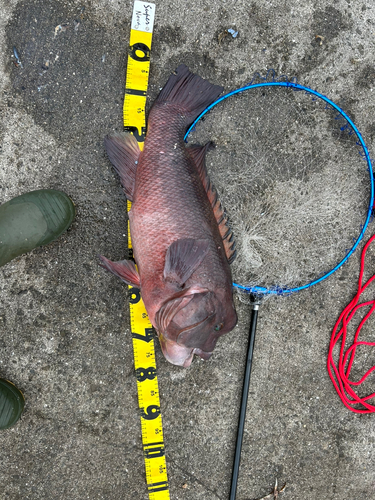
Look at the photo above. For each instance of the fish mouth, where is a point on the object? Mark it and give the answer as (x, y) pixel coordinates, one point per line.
(180, 355)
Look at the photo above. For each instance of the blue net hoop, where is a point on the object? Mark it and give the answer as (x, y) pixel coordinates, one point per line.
(349, 126)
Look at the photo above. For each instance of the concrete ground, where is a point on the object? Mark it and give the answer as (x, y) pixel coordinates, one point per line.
(65, 338)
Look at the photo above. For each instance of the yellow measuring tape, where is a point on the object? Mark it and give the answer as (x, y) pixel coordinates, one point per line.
(142, 332)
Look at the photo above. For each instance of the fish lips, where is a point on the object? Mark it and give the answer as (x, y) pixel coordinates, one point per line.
(176, 354)
(180, 355)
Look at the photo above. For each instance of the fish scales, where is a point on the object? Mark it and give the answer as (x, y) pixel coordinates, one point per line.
(183, 268)
(170, 203)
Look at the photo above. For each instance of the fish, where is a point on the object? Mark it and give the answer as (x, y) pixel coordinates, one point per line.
(182, 242)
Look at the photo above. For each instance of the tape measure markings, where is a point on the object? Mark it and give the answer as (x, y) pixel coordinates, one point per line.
(148, 397)
(138, 69)
(138, 66)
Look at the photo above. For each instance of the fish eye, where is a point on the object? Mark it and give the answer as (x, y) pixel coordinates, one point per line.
(218, 327)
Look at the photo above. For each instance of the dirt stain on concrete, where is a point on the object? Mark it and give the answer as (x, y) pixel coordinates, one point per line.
(326, 26)
(68, 56)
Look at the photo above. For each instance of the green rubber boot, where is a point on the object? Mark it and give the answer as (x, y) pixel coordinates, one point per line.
(12, 403)
(32, 220)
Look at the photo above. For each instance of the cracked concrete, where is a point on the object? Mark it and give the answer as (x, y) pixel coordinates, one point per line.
(65, 339)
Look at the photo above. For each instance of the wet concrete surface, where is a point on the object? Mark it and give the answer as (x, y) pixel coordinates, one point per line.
(65, 339)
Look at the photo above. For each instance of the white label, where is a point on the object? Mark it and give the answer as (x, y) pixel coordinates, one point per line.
(143, 16)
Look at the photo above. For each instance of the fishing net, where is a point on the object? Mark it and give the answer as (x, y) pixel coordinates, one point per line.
(293, 175)
(296, 177)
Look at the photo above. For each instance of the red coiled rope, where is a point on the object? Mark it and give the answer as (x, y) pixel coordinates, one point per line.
(338, 373)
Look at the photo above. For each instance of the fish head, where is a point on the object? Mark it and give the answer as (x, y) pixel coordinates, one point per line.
(192, 323)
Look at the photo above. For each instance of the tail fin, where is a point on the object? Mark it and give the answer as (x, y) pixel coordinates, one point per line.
(189, 91)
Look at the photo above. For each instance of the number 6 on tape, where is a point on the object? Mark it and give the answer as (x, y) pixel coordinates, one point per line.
(137, 73)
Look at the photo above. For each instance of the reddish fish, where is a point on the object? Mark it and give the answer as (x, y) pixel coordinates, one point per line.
(182, 244)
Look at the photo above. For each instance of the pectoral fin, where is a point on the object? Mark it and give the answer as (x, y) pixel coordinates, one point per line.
(123, 269)
(183, 258)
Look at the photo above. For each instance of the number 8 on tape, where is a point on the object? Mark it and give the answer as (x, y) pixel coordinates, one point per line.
(137, 73)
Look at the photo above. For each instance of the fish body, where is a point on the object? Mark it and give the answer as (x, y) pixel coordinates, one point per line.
(181, 242)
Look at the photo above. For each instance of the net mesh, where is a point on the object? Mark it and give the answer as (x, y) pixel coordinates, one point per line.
(289, 173)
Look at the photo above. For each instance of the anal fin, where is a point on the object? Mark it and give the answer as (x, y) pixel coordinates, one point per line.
(123, 151)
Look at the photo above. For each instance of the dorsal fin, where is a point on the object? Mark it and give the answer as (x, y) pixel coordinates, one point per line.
(223, 223)
(198, 155)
